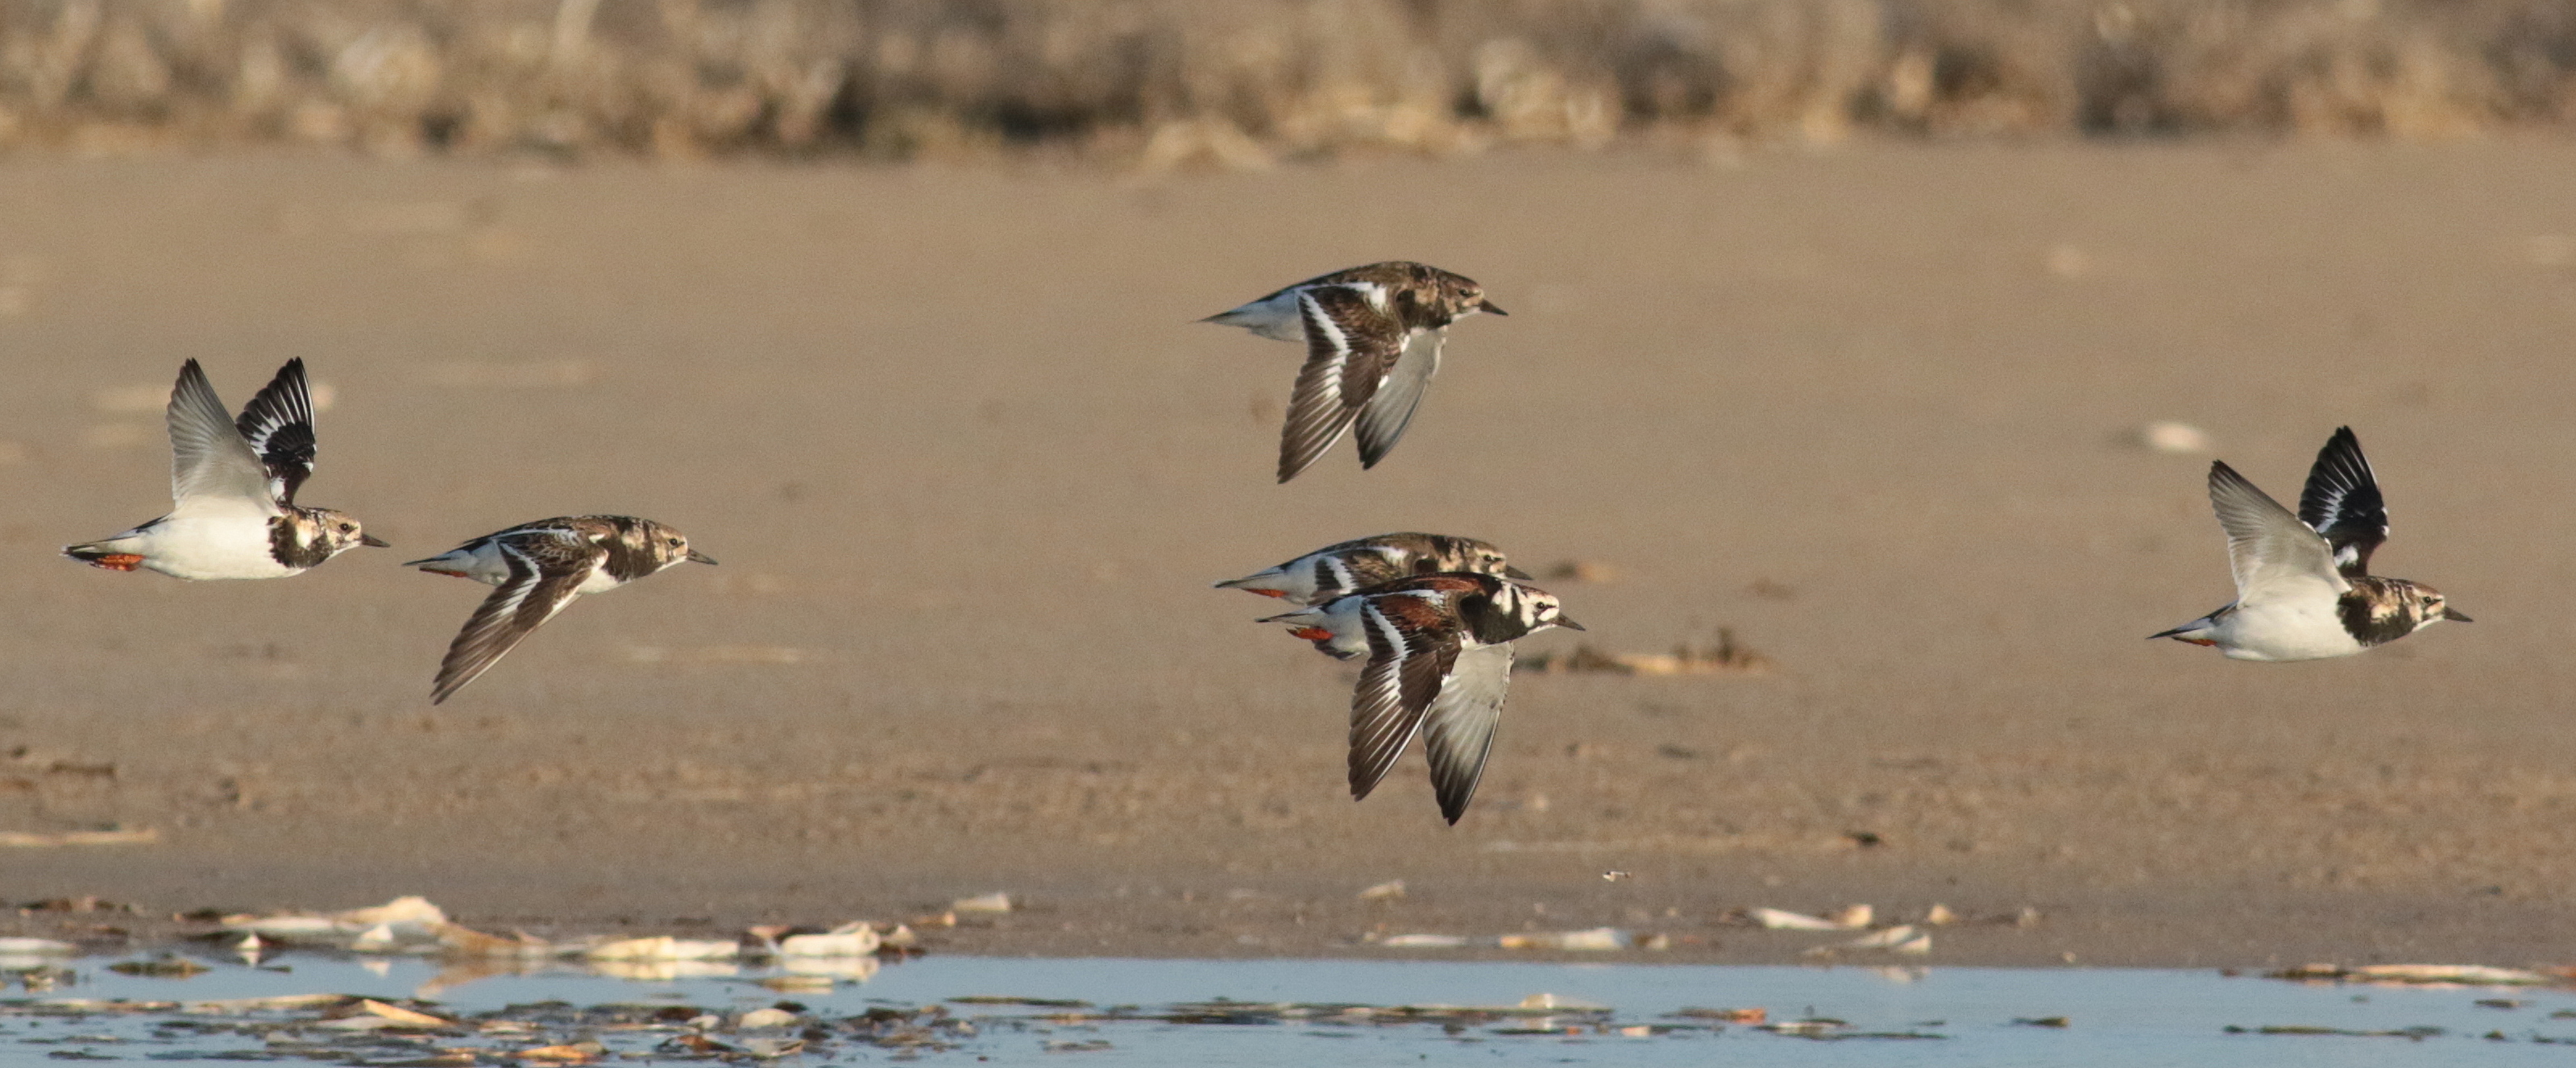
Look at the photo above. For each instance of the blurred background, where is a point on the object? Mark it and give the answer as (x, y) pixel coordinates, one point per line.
(1243, 83)
(1864, 366)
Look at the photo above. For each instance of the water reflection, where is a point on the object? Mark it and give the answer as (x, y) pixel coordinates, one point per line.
(426, 1010)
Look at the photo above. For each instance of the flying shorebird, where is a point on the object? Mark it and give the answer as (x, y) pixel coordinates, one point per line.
(1341, 567)
(2304, 590)
(1372, 339)
(538, 568)
(233, 483)
(1440, 663)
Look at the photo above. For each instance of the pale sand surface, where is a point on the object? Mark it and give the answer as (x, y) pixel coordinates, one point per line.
(961, 449)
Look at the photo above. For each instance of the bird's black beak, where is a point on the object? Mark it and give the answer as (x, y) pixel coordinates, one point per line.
(1487, 307)
(697, 557)
(1570, 624)
(370, 539)
(2454, 616)
(1511, 572)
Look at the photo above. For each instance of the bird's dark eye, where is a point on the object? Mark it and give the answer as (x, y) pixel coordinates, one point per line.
(675, 543)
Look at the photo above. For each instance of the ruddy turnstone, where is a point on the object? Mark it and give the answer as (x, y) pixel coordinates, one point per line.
(1440, 662)
(2304, 590)
(539, 568)
(1372, 339)
(233, 483)
(1341, 567)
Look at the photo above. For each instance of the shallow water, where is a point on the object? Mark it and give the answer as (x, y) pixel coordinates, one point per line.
(2112, 1017)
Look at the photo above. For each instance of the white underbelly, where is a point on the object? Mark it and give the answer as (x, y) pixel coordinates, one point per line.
(228, 547)
(2286, 632)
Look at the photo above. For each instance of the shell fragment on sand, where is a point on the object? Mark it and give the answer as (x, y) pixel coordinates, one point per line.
(377, 939)
(1887, 939)
(1735, 1016)
(1551, 1001)
(572, 1053)
(108, 836)
(1594, 939)
(2417, 975)
(664, 947)
(2466, 974)
(401, 922)
(1785, 920)
(410, 911)
(276, 1003)
(465, 942)
(1385, 891)
(848, 940)
(993, 902)
(369, 1014)
(1423, 941)
(757, 1019)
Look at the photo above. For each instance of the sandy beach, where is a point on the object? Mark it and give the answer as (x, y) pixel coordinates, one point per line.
(971, 467)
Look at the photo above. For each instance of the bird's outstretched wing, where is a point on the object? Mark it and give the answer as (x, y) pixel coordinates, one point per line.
(547, 569)
(2342, 502)
(2272, 555)
(1458, 731)
(278, 424)
(211, 467)
(1383, 419)
(1352, 342)
(1413, 640)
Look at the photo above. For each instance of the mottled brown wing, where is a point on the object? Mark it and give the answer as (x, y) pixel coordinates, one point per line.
(1387, 273)
(546, 570)
(1412, 639)
(1350, 346)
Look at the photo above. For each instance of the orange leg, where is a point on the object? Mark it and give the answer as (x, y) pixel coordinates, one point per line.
(118, 562)
(435, 571)
(1313, 634)
(1282, 594)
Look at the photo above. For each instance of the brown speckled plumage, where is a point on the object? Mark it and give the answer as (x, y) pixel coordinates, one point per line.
(1373, 336)
(536, 570)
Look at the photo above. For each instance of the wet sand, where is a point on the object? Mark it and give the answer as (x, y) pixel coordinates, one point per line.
(970, 469)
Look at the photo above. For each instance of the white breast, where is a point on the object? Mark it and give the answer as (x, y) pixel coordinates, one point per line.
(212, 547)
(2300, 630)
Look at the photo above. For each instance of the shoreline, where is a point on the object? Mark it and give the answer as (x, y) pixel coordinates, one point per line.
(1872, 412)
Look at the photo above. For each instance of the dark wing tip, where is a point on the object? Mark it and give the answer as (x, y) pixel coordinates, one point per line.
(278, 424)
(192, 378)
(2223, 478)
(2342, 502)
